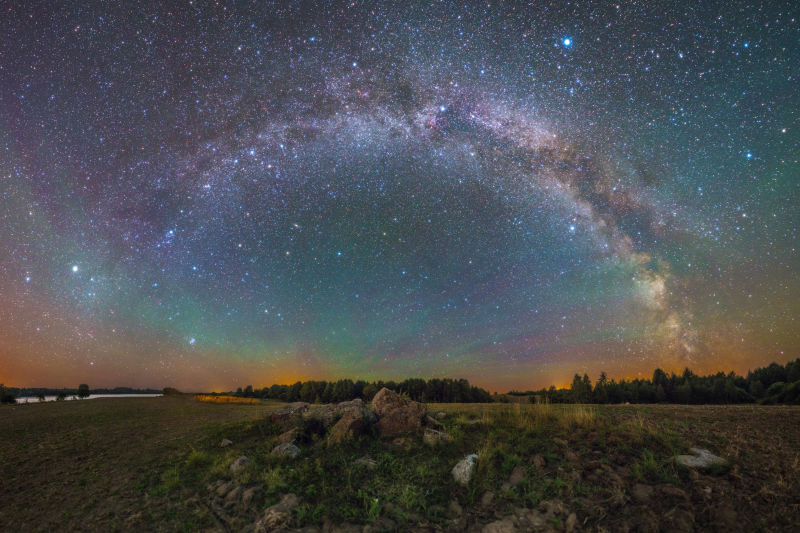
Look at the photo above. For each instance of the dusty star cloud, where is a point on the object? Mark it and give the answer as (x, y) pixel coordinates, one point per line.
(209, 196)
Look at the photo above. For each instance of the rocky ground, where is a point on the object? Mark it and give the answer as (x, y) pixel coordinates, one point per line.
(394, 465)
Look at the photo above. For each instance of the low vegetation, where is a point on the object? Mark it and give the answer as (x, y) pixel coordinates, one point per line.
(157, 464)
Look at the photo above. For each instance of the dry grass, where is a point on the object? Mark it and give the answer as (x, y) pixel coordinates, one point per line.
(225, 399)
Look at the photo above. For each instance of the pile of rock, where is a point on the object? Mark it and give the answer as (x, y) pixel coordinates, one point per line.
(392, 415)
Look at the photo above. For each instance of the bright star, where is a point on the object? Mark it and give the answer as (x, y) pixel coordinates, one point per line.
(74, 268)
(567, 41)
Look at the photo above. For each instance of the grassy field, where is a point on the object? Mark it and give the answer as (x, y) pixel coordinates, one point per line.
(154, 464)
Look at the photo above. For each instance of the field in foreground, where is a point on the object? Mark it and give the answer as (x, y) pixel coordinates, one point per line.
(156, 464)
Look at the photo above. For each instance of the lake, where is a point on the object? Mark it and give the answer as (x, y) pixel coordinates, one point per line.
(34, 399)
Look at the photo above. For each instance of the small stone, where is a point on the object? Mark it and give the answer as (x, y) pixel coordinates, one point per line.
(233, 496)
(454, 510)
(642, 493)
(224, 443)
(433, 437)
(250, 495)
(278, 515)
(441, 415)
(240, 464)
(367, 462)
(464, 469)
(571, 522)
(506, 525)
(517, 476)
(223, 489)
(699, 458)
(487, 498)
(560, 442)
(538, 461)
(671, 491)
(285, 450)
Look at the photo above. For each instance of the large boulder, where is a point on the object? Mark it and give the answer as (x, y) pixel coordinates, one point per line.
(325, 413)
(386, 400)
(329, 413)
(349, 426)
(402, 421)
(289, 415)
(397, 416)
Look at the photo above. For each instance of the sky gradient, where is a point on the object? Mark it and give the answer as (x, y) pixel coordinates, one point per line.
(208, 196)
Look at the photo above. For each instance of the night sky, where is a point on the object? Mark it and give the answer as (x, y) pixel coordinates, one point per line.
(207, 197)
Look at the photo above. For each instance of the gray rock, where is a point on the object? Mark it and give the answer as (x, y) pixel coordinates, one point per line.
(367, 462)
(699, 458)
(278, 515)
(240, 464)
(433, 437)
(465, 468)
(289, 415)
(288, 436)
(348, 427)
(225, 443)
(285, 450)
(223, 489)
(233, 496)
(250, 495)
(441, 415)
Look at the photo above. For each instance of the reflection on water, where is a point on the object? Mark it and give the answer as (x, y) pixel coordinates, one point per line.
(34, 399)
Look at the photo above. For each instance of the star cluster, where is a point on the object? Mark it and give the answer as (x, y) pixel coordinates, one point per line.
(209, 195)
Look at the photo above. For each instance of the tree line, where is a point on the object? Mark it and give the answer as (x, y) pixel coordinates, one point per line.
(772, 384)
(417, 389)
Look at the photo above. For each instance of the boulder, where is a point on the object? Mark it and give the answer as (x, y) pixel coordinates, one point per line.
(699, 458)
(224, 443)
(441, 415)
(385, 401)
(464, 469)
(289, 415)
(396, 415)
(240, 464)
(349, 426)
(277, 516)
(325, 413)
(401, 421)
(285, 450)
(571, 522)
(433, 437)
(287, 437)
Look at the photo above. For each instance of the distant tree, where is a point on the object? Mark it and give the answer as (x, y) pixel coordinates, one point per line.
(40, 396)
(307, 393)
(61, 396)
(6, 396)
(83, 390)
(370, 390)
